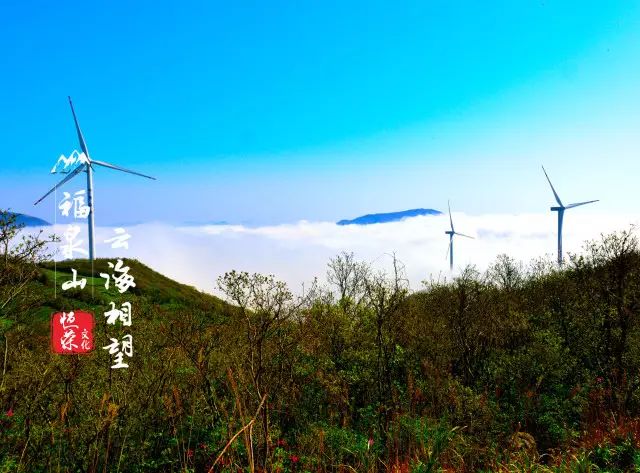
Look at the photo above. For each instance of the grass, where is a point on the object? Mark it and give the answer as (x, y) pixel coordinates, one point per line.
(149, 283)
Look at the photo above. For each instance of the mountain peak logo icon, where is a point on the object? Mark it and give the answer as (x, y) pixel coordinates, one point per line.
(65, 164)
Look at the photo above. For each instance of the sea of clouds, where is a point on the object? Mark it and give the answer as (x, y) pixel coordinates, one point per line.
(298, 252)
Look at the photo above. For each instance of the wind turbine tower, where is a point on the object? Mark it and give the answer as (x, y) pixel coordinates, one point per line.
(561, 209)
(86, 165)
(451, 233)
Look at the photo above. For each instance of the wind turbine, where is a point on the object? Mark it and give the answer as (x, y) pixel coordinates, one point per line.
(560, 209)
(86, 165)
(451, 233)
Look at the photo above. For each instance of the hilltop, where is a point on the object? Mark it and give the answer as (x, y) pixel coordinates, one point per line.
(152, 287)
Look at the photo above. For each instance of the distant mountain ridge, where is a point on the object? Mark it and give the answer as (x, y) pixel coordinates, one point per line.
(29, 221)
(369, 219)
(388, 217)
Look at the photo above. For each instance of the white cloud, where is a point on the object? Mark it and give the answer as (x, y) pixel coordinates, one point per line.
(296, 253)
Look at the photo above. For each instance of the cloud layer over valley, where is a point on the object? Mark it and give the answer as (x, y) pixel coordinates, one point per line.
(298, 252)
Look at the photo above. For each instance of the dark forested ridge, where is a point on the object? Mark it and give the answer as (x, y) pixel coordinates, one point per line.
(519, 368)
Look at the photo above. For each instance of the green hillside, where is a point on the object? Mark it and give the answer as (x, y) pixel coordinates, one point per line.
(152, 289)
(150, 284)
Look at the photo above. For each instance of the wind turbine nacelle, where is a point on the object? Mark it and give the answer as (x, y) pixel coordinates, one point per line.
(557, 209)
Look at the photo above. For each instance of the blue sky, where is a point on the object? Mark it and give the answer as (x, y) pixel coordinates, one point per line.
(266, 112)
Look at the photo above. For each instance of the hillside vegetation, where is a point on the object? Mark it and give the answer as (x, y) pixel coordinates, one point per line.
(514, 369)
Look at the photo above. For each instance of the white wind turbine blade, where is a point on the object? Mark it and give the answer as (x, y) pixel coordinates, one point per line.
(570, 206)
(83, 145)
(69, 176)
(463, 235)
(552, 188)
(450, 219)
(118, 168)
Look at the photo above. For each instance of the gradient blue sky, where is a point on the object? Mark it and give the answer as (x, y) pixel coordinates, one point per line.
(265, 112)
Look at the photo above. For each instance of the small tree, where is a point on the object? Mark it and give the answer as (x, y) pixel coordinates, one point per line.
(19, 258)
(265, 305)
(385, 295)
(18, 267)
(349, 276)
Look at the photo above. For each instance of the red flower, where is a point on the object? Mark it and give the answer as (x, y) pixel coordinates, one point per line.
(370, 443)
(189, 453)
(282, 442)
(294, 458)
(203, 446)
(10, 412)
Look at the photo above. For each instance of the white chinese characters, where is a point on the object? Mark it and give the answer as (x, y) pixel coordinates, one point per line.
(80, 208)
(122, 280)
(120, 240)
(120, 349)
(67, 321)
(123, 314)
(72, 245)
